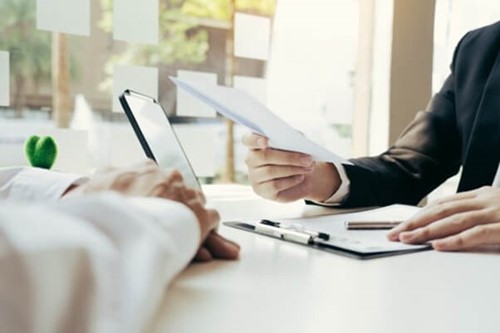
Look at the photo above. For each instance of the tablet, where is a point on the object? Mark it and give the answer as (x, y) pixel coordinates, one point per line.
(156, 134)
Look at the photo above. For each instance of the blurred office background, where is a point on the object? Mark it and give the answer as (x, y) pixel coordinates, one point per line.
(347, 73)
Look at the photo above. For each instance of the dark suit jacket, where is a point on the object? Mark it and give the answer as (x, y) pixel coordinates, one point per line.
(460, 128)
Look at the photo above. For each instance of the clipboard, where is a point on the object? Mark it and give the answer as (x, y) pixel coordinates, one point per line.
(327, 233)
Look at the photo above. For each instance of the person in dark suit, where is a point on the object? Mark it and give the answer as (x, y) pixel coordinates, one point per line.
(461, 127)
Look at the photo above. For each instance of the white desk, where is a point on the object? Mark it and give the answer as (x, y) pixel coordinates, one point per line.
(283, 287)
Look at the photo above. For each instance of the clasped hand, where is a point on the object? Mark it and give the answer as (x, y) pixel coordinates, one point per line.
(147, 179)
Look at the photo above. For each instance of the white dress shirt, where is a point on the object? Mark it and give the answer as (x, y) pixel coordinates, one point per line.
(85, 264)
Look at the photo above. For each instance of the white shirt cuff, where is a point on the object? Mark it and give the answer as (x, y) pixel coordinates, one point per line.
(34, 184)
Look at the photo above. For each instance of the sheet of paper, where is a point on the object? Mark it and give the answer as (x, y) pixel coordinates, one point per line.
(136, 21)
(4, 79)
(188, 105)
(365, 241)
(138, 78)
(251, 36)
(247, 111)
(72, 17)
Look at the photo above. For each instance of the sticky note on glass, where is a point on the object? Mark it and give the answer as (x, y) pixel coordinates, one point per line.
(73, 152)
(138, 78)
(4, 79)
(255, 87)
(187, 105)
(68, 16)
(251, 36)
(136, 21)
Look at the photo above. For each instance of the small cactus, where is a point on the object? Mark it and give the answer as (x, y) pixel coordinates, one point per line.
(41, 152)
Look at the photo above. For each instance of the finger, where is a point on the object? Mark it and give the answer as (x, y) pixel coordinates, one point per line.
(171, 191)
(195, 195)
(271, 189)
(222, 248)
(201, 197)
(270, 172)
(208, 219)
(450, 225)
(255, 141)
(434, 213)
(455, 197)
(294, 193)
(203, 255)
(173, 176)
(271, 156)
(471, 238)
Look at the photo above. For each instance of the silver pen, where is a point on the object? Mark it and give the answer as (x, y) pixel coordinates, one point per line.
(371, 225)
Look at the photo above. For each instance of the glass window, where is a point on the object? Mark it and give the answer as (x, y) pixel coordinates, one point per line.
(65, 85)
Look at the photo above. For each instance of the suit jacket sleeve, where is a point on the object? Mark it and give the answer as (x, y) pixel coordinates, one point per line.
(426, 154)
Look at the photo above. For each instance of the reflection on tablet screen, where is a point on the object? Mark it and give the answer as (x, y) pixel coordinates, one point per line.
(151, 120)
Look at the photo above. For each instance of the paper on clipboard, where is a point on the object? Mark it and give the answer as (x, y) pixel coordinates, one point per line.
(363, 244)
(249, 112)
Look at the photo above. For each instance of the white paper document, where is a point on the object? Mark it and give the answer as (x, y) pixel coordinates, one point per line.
(249, 112)
(362, 241)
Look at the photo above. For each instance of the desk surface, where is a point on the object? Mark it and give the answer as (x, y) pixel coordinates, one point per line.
(283, 287)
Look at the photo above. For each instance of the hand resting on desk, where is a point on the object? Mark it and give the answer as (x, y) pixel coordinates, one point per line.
(146, 179)
(462, 221)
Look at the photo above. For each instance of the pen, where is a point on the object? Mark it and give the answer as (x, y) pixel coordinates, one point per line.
(298, 228)
(286, 234)
(370, 225)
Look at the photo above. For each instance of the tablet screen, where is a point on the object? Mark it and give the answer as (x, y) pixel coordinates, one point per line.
(156, 135)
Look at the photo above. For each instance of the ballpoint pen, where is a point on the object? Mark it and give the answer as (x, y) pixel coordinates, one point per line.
(297, 228)
(371, 225)
(290, 232)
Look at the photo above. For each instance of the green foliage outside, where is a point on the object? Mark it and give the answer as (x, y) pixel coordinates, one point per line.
(181, 37)
(30, 50)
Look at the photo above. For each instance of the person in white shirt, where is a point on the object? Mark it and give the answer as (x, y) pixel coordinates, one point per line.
(96, 255)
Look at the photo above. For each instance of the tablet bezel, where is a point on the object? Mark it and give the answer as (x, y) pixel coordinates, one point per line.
(138, 132)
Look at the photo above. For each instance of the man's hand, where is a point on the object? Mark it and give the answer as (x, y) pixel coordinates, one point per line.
(146, 179)
(286, 176)
(462, 221)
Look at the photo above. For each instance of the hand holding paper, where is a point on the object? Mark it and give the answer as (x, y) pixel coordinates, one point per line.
(247, 111)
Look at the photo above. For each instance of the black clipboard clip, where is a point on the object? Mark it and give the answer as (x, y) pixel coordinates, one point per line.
(290, 232)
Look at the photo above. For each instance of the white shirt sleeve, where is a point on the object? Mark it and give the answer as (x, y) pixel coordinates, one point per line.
(34, 184)
(90, 264)
(342, 191)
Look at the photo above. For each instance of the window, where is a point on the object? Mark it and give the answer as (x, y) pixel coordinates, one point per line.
(67, 67)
